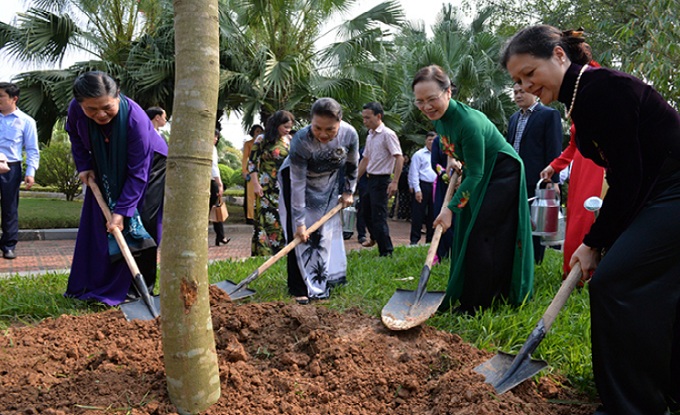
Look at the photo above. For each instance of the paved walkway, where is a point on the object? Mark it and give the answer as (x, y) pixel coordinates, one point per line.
(41, 256)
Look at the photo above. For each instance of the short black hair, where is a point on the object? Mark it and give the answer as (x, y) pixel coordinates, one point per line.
(431, 134)
(253, 128)
(375, 107)
(151, 112)
(327, 107)
(11, 89)
(94, 84)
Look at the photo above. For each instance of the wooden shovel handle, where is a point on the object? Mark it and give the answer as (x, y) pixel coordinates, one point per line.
(557, 303)
(286, 249)
(434, 244)
(117, 234)
(295, 242)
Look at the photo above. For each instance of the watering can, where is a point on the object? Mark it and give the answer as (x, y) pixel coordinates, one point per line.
(545, 210)
(349, 217)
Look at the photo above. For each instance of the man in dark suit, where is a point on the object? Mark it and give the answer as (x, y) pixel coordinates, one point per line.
(535, 131)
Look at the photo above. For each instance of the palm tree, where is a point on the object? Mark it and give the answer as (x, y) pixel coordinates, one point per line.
(469, 54)
(50, 29)
(272, 62)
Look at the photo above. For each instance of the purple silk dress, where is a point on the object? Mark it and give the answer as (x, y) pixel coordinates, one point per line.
(93, 276)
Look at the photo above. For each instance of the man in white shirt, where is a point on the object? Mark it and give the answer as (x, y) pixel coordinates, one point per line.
(158, 117)
(17, 132)
(382, 159)
(420, 181)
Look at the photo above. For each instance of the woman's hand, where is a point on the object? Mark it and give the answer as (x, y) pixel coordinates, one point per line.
(444, 219)
(220, 189)
(85, 176)
(453, 164)
(116, 222)
(347, 200)
(588, 259)
(301, 232)
(257, 189)
(547, 173)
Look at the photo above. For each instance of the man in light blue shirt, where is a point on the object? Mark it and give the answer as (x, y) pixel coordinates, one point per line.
(17, 132)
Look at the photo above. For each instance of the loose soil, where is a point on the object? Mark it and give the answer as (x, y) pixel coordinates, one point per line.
(275, 358)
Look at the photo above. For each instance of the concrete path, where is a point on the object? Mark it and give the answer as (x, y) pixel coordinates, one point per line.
(52, 251)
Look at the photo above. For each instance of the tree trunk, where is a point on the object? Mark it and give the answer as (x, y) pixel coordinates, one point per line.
(189, 351)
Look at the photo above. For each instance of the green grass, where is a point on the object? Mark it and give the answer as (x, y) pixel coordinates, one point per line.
(372, 281)
(41, 213)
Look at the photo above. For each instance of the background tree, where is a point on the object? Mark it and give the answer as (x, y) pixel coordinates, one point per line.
(190, 357)
(469, 53)
(273, 62)
(641, 38)
(49, 29)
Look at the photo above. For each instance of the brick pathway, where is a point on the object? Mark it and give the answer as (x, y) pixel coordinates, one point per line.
(40, 256)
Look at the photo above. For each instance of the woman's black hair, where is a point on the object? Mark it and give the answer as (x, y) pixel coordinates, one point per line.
(434, 73)
(218, 135)
(271, 133)
(540, 41)
(94, 84)
(327, 107)
(253, 128)
(151, 112)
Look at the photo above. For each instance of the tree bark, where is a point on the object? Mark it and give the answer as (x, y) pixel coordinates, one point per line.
(190, 357)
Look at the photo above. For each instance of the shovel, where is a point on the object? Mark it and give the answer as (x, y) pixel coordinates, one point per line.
(133, 309)
(407, 309)
(505, 371)
(238, 291)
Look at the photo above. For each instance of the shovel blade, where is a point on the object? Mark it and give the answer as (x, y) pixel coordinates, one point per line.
(229, 287)
(138, 310)
(404, 311)
(497, 371)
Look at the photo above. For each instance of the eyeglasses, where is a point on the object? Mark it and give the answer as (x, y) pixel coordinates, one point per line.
(420, 103)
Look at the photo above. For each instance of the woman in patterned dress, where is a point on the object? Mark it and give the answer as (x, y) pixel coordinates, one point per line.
(310, 187)
(492, 254)
(266, 157)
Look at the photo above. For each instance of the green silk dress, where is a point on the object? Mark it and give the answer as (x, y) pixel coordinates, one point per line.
(468, 136)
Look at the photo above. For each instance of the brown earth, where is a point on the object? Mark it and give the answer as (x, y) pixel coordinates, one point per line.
(275, 358)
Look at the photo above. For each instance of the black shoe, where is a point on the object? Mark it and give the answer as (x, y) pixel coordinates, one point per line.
(362, 239)
(302, 300)
(249, 222)
(223, 241)
(9, 254)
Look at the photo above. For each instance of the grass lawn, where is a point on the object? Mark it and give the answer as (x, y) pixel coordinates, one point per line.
(372, 281)
(41, 213)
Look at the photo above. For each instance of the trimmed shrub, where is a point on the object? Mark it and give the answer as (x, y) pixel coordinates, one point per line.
(225, 173)
(58, 169)
(237, 179)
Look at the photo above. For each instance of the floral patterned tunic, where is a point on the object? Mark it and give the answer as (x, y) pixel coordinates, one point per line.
(265, 160)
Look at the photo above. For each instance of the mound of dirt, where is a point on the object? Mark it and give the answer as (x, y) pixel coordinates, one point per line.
(275, 358)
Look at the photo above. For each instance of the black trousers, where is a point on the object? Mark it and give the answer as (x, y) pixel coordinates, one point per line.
(218, 227)
(422, 212)
(444, 248)
(9, 204)
(539, 250)
(361, 223)
(150, 212)
(635, 311)
(375, 212)
(491, 245)
(296, 284)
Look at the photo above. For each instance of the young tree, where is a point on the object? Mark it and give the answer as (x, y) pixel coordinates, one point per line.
(188, 341)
